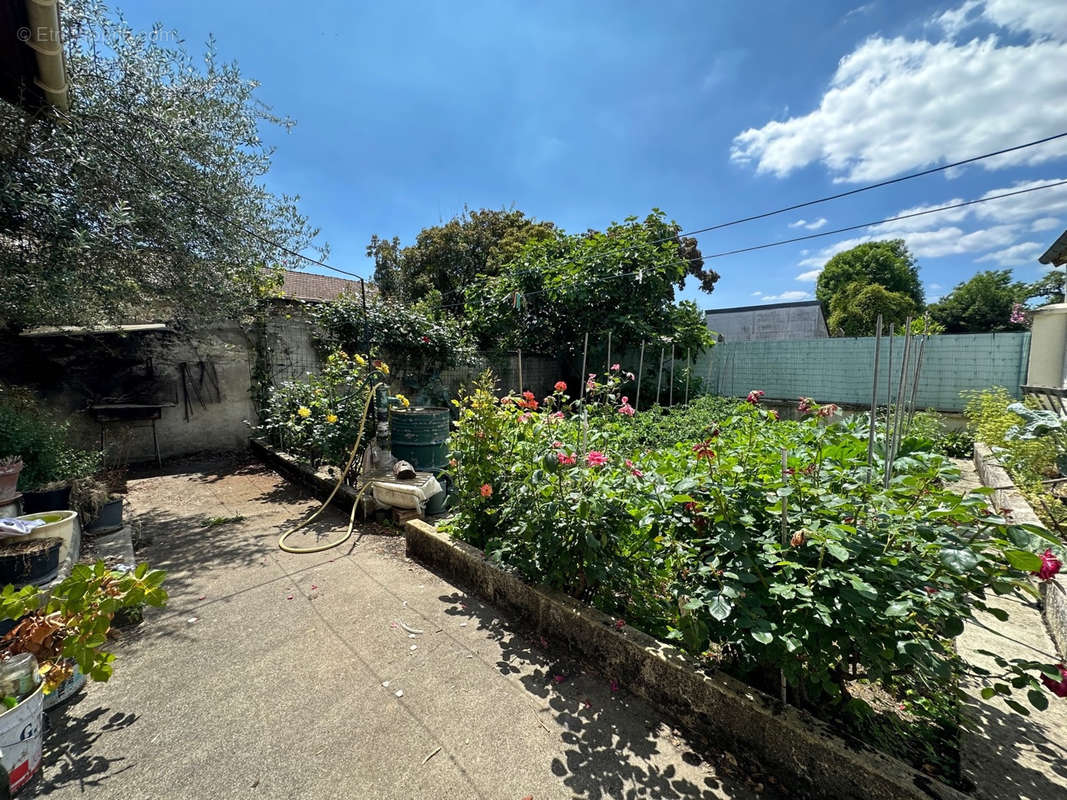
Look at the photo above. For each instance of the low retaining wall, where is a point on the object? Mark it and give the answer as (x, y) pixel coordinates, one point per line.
(1005, 495)
(298, 472)
(803, 751)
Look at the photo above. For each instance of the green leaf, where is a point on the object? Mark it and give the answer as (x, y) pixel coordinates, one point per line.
(988, 692)
(960, 560)
(898, 608)
(1023, 560)
(953, 627)
(1038, 699)
(720, 607)
(763, 637)
(837, 550)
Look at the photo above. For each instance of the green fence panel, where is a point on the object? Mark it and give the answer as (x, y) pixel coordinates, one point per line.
(842, 370)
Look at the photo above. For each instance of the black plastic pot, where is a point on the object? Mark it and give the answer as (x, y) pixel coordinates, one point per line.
(109, 519)
(23, 562)
(51, 500)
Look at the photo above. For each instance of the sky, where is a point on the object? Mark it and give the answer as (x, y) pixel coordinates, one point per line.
(584, 113)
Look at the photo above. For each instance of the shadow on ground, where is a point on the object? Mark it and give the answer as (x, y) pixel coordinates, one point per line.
(601, 720)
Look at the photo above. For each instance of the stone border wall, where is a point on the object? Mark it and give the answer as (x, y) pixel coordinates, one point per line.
(801, 750)
(1005, 495)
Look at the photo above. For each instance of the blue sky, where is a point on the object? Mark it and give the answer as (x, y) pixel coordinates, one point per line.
(584, 113)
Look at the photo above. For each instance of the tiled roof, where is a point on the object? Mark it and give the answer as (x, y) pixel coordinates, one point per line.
(322, 288)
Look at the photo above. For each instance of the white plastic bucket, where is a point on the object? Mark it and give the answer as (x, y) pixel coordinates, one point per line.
(65, 690)
(21, 736)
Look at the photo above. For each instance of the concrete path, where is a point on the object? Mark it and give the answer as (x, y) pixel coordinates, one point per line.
(279, 676)
(1009, 756)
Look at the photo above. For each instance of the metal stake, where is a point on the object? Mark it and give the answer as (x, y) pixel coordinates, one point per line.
(874, 397)
(785, 541)
(585, 352)
(687, 376)
(659, 376)
(607, 367)
(888, 404)
(640, 373)
(670, 391)
(521, 387)
(918, 367)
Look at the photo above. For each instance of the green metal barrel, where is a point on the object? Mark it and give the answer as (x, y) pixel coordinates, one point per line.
(420, 436)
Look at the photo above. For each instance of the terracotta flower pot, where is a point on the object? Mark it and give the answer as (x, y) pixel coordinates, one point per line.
(9, 479)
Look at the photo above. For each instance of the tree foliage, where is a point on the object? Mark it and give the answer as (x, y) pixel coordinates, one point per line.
(854, 309)
(140, 198)
(1048, 288)
(621, 280)
(982, 304)
(886, 263)
(447, 258)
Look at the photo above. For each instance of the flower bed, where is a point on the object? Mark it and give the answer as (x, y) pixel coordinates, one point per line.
(758, 545)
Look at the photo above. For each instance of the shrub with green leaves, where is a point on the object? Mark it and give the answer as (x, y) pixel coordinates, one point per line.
(318, 419)
(41, 439)
(810, 567)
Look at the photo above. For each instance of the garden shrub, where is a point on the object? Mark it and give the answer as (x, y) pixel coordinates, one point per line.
(41, 439)
(812, 569)
(318, 418)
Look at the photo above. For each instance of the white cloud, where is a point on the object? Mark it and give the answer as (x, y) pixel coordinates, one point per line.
(934, 286)
(1016, 255)
(1040, 17)
(756, 294)
(790, 295)
(1045, 224)
(956, 19)
(814, 225)
(809, 276)
(896, 104)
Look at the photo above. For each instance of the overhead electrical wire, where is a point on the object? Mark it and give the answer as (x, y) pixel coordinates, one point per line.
(821, 234)
(718, 226)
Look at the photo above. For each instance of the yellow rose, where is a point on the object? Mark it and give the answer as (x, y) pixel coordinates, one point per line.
(331, 418)
(403, 400)
(360, 360)
(304, 411)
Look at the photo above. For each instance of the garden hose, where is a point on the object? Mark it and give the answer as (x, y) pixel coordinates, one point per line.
(355, 501)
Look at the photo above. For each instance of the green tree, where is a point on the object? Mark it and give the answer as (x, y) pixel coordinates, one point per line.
(139, 200)
(1049, 288)
(885, 263)
(982, 304)
(854, 309)
(447, 258)
(620, 280)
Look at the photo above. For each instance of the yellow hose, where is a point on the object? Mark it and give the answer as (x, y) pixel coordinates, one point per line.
(355, 502)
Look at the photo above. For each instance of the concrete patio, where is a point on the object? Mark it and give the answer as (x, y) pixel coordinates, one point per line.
(277, 675)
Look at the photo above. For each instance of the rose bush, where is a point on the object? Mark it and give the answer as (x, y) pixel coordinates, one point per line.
(318, 418)
(711, 540)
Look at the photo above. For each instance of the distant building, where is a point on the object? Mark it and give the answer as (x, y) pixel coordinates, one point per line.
(314, 288)
(801, 320)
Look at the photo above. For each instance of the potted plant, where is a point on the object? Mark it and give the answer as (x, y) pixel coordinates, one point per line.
(10, 467)
(100, 509)
(25, 561)
(66, 630)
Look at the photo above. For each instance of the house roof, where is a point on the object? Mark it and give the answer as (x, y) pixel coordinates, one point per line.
(318, 288)
(762, 307)
(1057, 254)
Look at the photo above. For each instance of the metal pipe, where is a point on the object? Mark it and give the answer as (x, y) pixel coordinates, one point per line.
(607, 366)
(918, 368)
(521, 386)
(659, 376)
(888, 405)
(585, 352)
(894, 443)
(640, 374)
(687, 376)
(874, 397)
(670, 390)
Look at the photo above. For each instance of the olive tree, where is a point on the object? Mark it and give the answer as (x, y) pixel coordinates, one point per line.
(146, 198)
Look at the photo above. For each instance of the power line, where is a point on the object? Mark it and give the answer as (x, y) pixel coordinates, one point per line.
(878, 185)
(834, 232)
